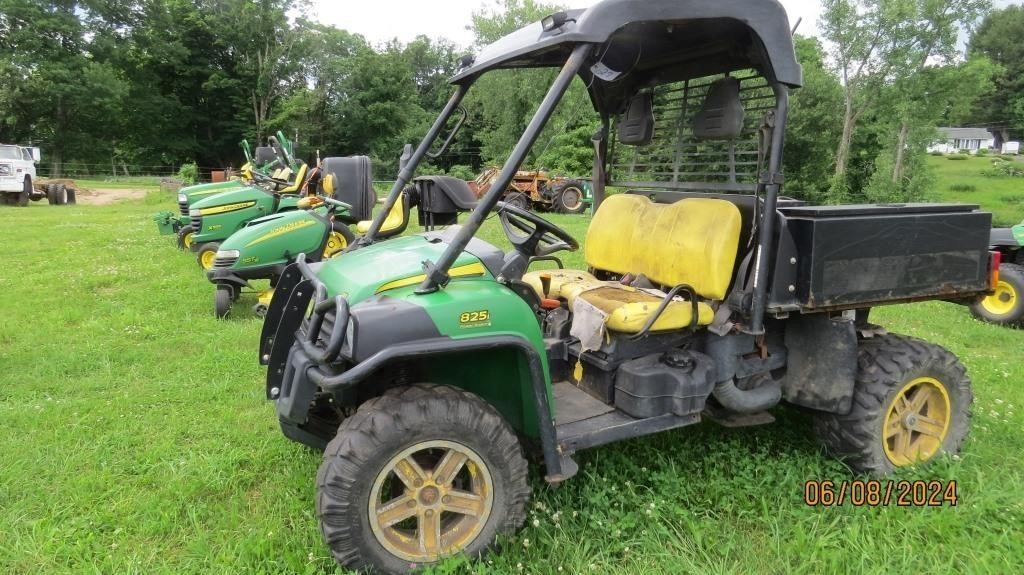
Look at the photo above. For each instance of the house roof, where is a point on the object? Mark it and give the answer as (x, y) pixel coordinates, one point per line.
(965, 133)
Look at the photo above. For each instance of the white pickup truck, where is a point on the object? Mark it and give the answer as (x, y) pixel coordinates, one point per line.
(17, 168)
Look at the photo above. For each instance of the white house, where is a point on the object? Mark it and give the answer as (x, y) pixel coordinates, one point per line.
(962, 140)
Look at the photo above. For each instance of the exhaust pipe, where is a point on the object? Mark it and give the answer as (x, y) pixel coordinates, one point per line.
(762, 397)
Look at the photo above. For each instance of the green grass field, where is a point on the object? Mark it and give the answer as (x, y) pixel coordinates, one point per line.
(137, 440)
(964, 181)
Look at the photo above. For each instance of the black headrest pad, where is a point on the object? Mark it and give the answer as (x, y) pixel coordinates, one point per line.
(721, 116)
(636, 125)
(353, 183)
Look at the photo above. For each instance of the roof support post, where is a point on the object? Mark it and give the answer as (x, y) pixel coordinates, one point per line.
(437, 272)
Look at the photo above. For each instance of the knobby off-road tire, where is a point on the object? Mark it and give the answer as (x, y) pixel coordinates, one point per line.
(184, 237)
(72, 198)
(569, 198)
(387, 457)
(895, 373)
(1006, 305)
(517, 200)
(222, 302)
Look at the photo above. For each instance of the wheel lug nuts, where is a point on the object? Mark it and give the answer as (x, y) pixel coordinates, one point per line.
(446, 499)
(430, 512)
(412, 504)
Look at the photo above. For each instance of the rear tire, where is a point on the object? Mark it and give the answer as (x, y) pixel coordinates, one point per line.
(569, 198)
(222, 302)
(1006, 306)
(517, 200)
(60, 193)
(50, 197)
(207, 254)
(885, 428)
(185, 238)
(71, 196)
(377, 461)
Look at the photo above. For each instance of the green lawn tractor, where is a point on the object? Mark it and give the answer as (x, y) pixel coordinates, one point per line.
(216, 218)
(264, 162)
(319, 229)
(424, 366)
(1006, 304)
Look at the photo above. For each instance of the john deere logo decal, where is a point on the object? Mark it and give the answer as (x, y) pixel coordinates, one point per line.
(226, 208)
(281, 230)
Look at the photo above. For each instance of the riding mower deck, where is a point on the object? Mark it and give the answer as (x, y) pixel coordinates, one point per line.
(1006, 305)
(424, 365)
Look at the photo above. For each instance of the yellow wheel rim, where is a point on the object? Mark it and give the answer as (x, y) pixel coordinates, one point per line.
(335, 243)
(207, 258)
(916, 422)
(187, 240)
(431, 500)
(1002, 301)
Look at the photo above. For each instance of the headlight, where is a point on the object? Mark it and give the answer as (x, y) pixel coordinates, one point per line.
(5, 170)
(194, 212)
(182, 198)
(227, 254)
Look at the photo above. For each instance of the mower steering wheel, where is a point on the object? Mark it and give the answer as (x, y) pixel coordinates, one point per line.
(279, 151)
(335, 204)
(532, 235)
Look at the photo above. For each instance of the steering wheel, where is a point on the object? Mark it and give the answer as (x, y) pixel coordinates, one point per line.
(279, 151)
(532, 235)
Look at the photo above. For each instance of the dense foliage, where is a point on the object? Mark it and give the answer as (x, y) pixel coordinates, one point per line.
(148, 85)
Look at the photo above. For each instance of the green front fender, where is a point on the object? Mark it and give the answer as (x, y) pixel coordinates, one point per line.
(228, 212)
(478, 308)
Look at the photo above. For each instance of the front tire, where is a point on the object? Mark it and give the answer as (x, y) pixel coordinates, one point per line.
(222, 302)
(1006, 305)
(517, 199)
(418, 474)
(184, 238)
(206, 255)
(911, 403)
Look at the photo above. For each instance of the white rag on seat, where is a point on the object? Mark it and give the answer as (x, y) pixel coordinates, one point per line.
(587, 324)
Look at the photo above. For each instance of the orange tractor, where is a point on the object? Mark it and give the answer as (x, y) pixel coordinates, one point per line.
(537, 190)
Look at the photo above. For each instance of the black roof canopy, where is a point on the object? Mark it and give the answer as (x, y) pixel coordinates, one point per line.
(652, 42)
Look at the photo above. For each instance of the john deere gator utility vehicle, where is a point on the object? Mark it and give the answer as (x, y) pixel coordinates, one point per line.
(265, 162)
(423, 365)
(1006, 305)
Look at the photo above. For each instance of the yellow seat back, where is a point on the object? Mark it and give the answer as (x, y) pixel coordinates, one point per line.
(692, 241)
(295, 184)
(395, 219)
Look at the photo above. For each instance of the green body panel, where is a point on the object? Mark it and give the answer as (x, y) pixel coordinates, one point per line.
(250, 202)
(1018, 233)
(202, 191)
(277, 238)
(361, 273)
(501, 377)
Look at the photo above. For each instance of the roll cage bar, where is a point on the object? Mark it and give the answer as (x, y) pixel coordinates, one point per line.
(630, 45)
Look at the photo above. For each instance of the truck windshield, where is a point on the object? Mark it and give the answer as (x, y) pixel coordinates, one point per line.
(10, 153)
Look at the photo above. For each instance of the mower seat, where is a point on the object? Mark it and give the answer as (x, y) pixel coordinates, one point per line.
(295, 184)
(692, 241)
(395, 222)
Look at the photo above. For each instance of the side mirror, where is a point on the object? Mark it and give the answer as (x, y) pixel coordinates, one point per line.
(327, 183)
(36, 155)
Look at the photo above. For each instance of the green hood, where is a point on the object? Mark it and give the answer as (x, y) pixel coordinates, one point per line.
(201, 191)
(273, 239)
(390, 265)
(235, 196)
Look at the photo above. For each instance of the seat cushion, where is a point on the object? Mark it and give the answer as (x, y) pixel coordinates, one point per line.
(692, 241)
(559, 279)
(628, 308)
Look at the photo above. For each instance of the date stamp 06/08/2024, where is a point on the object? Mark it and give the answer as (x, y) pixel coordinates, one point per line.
(880, 493)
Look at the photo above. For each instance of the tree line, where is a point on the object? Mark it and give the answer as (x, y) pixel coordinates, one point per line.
(159, 83)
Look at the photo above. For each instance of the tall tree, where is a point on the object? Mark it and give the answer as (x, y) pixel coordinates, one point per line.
(999, 38)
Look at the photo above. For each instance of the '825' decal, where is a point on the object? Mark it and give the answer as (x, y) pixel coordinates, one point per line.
(474, 318)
